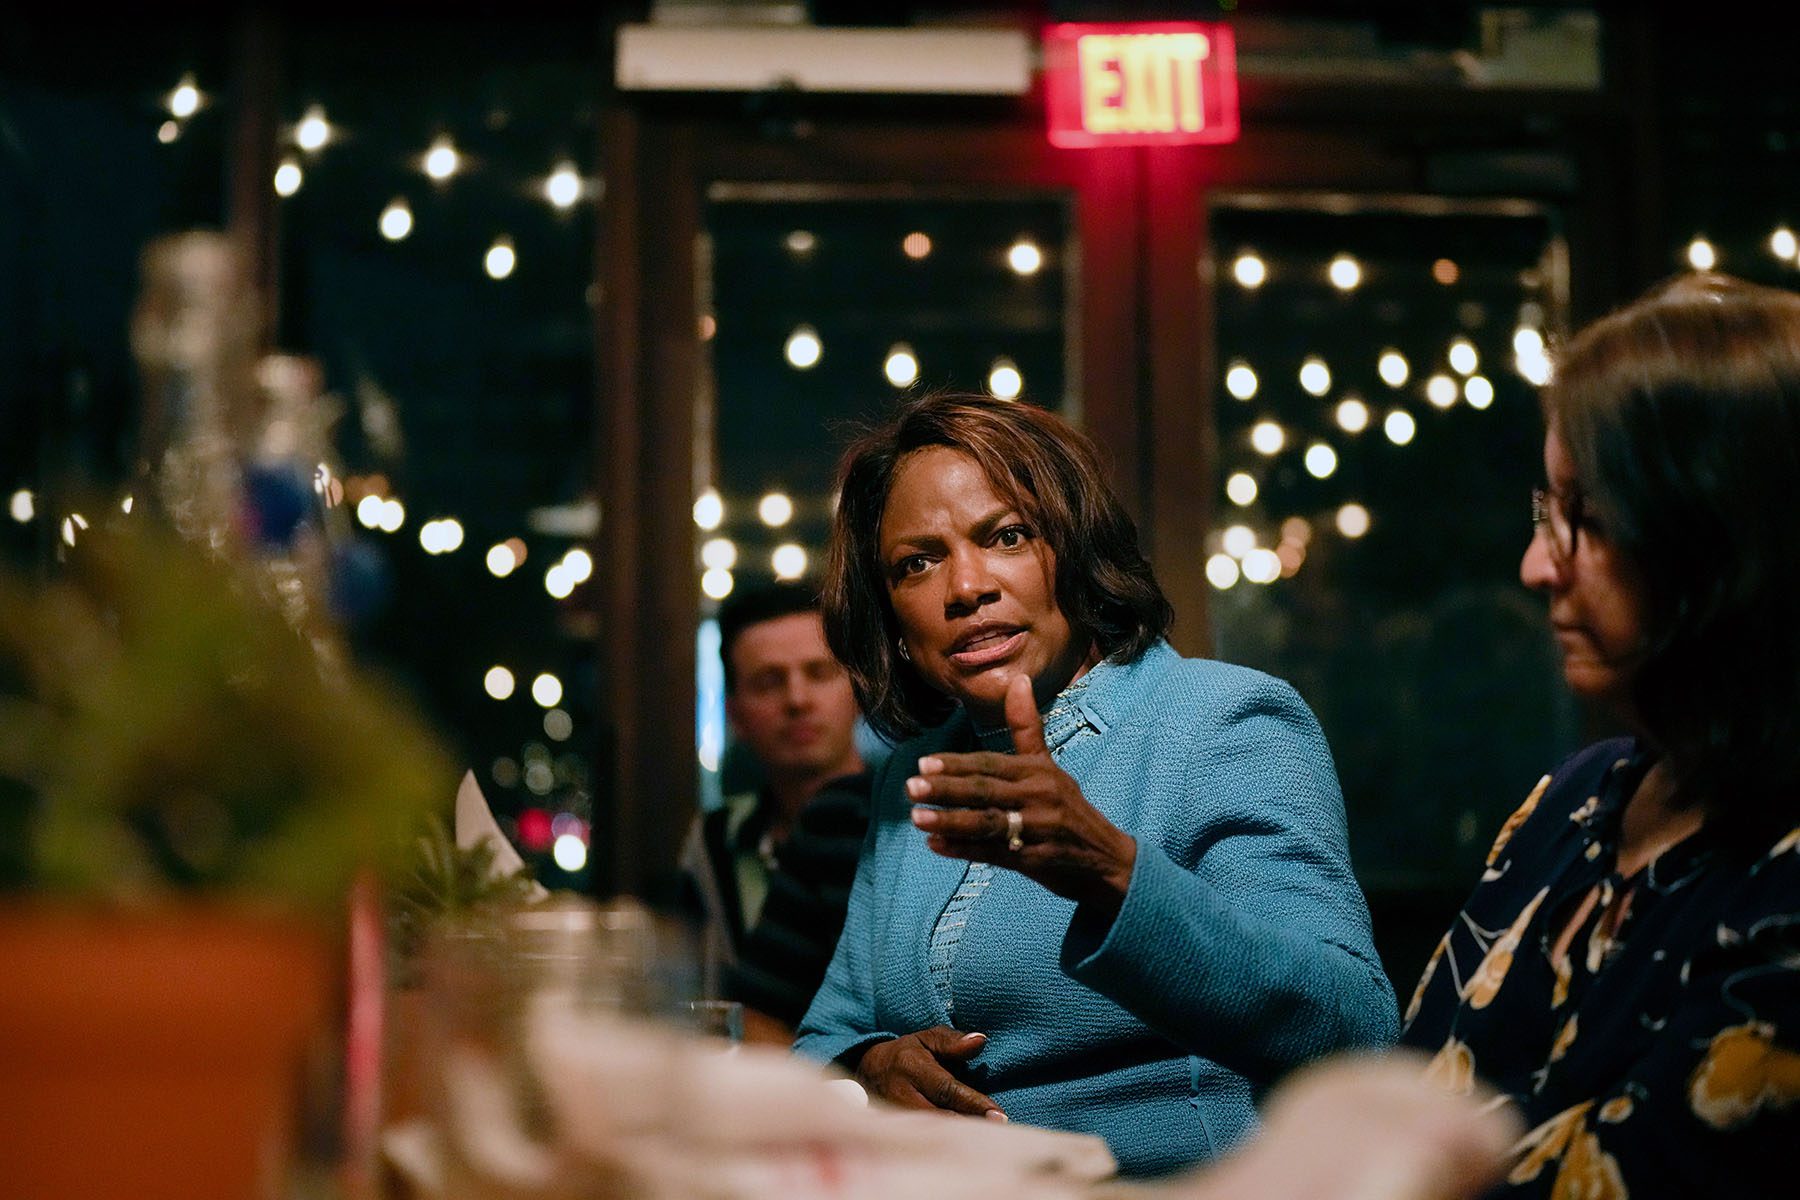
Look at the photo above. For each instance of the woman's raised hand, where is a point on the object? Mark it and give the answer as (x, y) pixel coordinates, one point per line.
(1023, 812)
(910, 1071)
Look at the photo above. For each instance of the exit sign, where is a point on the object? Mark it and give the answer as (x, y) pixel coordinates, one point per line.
(1155, 84)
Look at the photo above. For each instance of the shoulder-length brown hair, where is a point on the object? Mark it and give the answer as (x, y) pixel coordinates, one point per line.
(1037, 461)
(1681, 414)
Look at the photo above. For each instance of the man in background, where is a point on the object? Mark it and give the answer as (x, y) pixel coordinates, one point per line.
(773, 867)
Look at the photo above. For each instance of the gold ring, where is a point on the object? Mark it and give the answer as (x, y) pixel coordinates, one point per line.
(1015, 829)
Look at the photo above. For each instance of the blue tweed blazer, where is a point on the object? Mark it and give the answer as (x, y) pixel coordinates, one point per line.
(1241, 951)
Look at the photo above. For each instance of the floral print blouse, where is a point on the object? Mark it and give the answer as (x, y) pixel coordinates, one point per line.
(1647, 1028)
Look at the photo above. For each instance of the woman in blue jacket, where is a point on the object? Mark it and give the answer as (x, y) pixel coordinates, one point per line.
(1106, 887)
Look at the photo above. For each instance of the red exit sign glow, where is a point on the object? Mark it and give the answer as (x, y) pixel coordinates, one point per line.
(1158, 84)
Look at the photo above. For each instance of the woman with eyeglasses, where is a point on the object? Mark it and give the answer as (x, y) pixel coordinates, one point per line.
(1627, 970)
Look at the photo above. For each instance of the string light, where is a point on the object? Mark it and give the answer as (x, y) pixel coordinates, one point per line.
(718, 554)
(368, 511)
(558, 582)
(1267, 438)
(901, 366)
(396, 219)
(442, 160)
(1221, 571)
(1352, 415)
(1249, 270)
(579, 564)
(22, 506)
(1344, 272)
(1441, 391)
(1239, 540)
(1392, 368)
(1262, 565)
(716, 583)
(558, 725)
(547, 690)
(1399, 427)
(1241, 489)
(313, 131)
(500, 258)
(570, 852)
(1315, 376)
(501, 561)
(1004, 380)
(287, 178)
(800, 242)
(915, 245)
(1321, 460)
(498, 683)
(1024, 257)
(1478, 391)
(167, 132)
(563, 187)
(1445, 272)
(1353, 520)
(1701, 255)
(803, 348)
(709, 509)
(1241, 381)
(1783, 244)
(393, 516)
(1463, 359)
(184, 101)
(788, 561)
(775, 509)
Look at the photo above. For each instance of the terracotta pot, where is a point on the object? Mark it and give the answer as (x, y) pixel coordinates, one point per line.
(153, 1054)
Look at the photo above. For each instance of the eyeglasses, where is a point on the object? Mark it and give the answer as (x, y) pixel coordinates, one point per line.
(1559, 515)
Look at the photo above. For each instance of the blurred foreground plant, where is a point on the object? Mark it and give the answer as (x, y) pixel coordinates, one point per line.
(173, 734)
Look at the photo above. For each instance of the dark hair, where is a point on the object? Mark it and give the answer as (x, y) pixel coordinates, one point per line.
(752, 606)
(1681, 414)
(1037, 461)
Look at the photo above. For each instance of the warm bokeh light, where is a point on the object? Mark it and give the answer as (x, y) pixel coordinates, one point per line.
(1262, 565)
(1478, 391)
(1441, 390)
(1399, 427)
(1249, 270)
(547, 690)
(709, 509)
(1445, 272)
(1024, 257)
(313, 131)
(22, 506)
(1321, 460)
(558, 725)
(800, 241)
(803, 348)
(1353, 520)
(288, 178)
(500, 259)
(1297, 529)
(1782, 243)
(901, 366)
(1345, 273)
(1241, 489)
(1701, 255)
(788, 561)
(501, 561)
(1392, 368)
(558, 582)
(579, 564)
(71, 526)
(1241, 381)
(1315, 376)
(570, 852)
(915, 245)
(442, 160)
(1352, 415)
(396, 219)
(393, 516)
(1221, 571)
(184, 101)
(498, 683)
(775, 509)
(368, 511)
(1462, 356)
(563, 187)
(1267, 437)
(718, 554)
(1004, 380)
(716, 583)
(167, 132)
(1238, 540)
(1527, 342)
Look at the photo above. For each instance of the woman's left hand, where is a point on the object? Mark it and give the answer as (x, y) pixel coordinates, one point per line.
(1023, 812)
